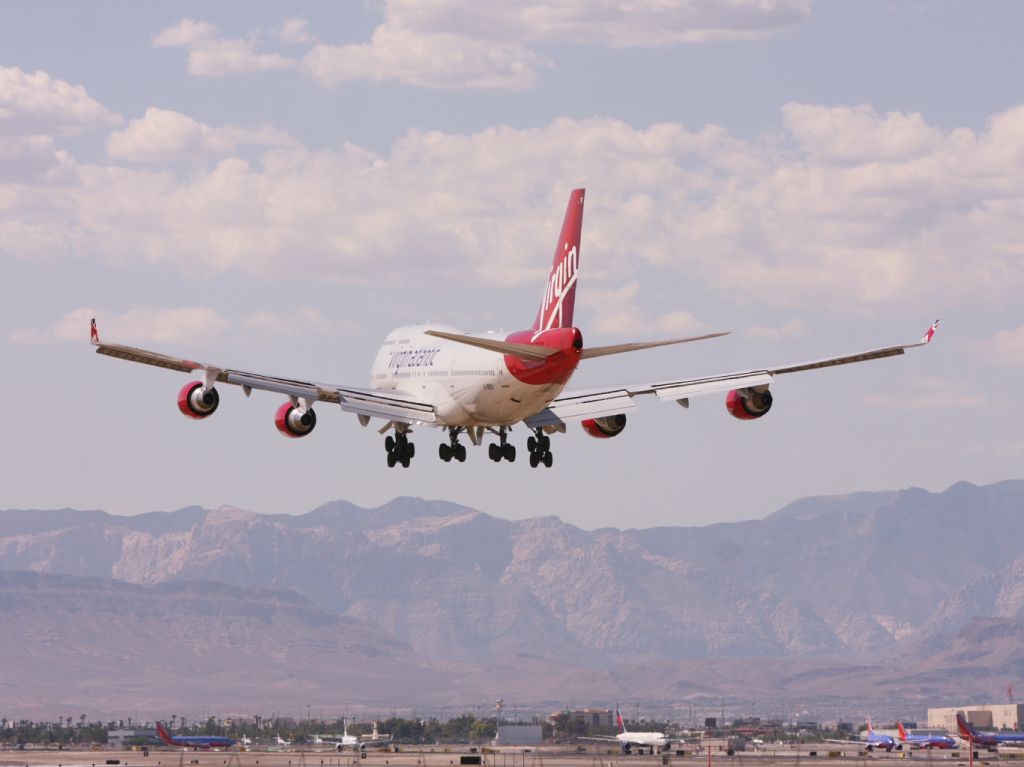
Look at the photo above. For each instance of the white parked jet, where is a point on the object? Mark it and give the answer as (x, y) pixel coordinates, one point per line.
(433, 375)
(345, 741)
(281, 741)
(640, 740)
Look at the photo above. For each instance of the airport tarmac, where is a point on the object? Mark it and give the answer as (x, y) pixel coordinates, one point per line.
(452, 756)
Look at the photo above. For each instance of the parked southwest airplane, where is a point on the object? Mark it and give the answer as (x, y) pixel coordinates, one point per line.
(925, 741)
(193, 741)
(872, 740)
(967, 732)
(433, 375)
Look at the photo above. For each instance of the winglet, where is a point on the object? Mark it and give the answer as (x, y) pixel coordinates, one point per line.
(930, 334)
(94, 333)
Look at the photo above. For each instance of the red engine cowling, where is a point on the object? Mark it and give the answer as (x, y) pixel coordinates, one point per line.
(748, 404)
(195, 403)
(603, 428)
(292, 422)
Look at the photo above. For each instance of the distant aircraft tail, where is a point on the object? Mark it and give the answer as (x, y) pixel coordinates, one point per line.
(618, 719)
(965, 727)
(164, 735)
(556, 307)
(870, 731)
(903, 732)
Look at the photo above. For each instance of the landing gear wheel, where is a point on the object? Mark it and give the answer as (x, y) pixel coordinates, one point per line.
(494, 452)
(548, 460)
(508, 452)
(445, 452)
(391, 459)
(544, 442)
(531, 444)
(410, 451)
(405, 461)
(389, 443)
(534, 459)
(460, 453)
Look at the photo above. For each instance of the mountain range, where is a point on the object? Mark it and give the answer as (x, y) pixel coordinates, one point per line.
(903, 594)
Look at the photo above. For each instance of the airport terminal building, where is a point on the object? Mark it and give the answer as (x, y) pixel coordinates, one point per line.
(999, 716)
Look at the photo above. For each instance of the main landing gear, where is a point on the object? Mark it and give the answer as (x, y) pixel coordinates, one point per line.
(503, 450)
(400, 449)
(539, 446)
(454, 450)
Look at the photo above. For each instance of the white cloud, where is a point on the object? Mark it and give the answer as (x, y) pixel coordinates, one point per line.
(295, 31)
(438, 60)
(298, 323)
(758, 218)
(786, 330)
(928, 394)
(193, 325)
(1006, 347)
(461, 44)
(213, 56)
(619, 315)
(162, 135)
(35, 103)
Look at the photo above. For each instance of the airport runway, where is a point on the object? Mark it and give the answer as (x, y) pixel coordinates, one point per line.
(452, 756)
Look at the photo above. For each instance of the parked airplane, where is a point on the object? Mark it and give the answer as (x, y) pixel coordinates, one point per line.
(641, 740)
(246, 740)
(925, 741)
(433, 375)
(193, 741)
(281, 741)
(374, 739)
(979, 738)
(872, 740)
(339, 744)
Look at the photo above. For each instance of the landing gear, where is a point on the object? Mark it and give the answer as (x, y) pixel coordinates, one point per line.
(453, 450)
(502, 450)
(400, 449)
(539, 446)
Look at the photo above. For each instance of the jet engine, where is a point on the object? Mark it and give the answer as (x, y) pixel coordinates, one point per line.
(748, 404)
(196, 403)
(292, 422)
(603, 428)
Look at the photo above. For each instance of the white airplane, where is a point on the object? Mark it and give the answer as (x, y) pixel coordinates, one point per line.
(281, 741)
(640, 740)
(351, 741)
(246, 740)
(372, 740)
(433, 375)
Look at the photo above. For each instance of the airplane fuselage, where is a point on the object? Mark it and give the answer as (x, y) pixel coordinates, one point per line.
(470, 386)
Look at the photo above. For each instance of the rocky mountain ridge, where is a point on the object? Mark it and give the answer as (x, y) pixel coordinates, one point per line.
(847, 577)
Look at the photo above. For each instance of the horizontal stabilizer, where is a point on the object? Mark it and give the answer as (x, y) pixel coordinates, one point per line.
(522, 351)
(601, 351)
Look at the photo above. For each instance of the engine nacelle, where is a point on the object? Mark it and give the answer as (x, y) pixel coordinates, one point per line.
(603, 428)
(195, 403)
(748, 404)
(292, 422)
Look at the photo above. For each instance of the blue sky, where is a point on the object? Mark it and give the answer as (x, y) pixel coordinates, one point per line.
(274, 187)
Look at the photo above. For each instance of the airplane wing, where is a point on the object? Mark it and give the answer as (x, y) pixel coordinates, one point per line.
(392, 405)
(605, 739)
(599, 403)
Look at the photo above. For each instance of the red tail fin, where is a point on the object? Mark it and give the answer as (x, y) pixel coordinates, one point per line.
(903, 733)
(164, 735)
(560, 292)
(618, 720)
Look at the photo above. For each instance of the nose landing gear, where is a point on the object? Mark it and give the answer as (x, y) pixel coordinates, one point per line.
(504, 449)
(539, 446)
(455, 449)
